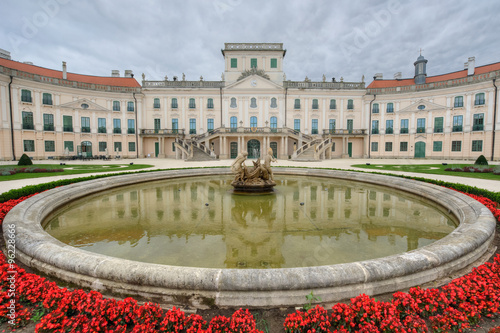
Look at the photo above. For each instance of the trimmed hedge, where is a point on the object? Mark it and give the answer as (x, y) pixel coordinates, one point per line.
(481, 160)
(25, 160)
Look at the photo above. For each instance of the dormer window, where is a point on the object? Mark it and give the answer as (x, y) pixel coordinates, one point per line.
(84, 106)
(253, 102)
(233, 103)
(421, 107)
(274, 104)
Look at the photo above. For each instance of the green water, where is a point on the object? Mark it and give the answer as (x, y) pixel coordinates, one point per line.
(199, 222)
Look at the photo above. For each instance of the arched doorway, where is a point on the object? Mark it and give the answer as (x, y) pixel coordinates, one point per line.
(234, 149)
(420, 149)
(253, 148)
(274, 147)
(86, 149)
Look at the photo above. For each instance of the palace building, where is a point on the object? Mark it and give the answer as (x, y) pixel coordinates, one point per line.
(48, 113)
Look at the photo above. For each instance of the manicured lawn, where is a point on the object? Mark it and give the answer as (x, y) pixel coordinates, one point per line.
(68, 169)
(434, 169)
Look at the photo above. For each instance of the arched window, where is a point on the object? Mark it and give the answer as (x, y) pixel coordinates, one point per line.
(116, 105)
(375, 108)
(297, 104)
(315, 105)
(210, 103)
(26, 96)
(156, 103)
(174, 103)
(479, 99)
(390, 108)
(350, 104)
(274, 104)
(192, 103)
(233, 102)
(333, 104)
(253, 102)
(253, 121)
(233, 124)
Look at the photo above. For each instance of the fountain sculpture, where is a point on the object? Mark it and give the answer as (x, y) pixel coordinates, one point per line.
(256, 179)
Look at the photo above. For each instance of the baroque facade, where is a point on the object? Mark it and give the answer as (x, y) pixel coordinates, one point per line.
(55, 114)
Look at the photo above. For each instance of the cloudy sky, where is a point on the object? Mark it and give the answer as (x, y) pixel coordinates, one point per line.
(333, 37)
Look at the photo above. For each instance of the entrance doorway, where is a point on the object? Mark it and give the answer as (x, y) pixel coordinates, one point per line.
(349, 149)
(157, 149)
(274, 147)
(234, 149)
(253, 148)
(86, 149)
(420, 149)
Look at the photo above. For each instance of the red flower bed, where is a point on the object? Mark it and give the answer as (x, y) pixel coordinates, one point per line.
(452, 308)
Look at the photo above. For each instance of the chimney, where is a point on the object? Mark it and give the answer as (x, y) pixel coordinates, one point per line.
(398, 76)
(115, 73)
(65, 75)
(5, 54)
(472, 66)
(466, 65)
(378, 76)
(128, 73)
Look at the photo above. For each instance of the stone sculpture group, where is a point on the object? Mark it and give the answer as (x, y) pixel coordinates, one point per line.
(256, 178)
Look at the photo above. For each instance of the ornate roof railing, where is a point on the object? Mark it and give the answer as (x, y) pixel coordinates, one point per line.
(323, 85)
(182, 84)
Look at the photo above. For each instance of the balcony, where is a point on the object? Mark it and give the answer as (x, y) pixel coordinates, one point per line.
(344, 132)
(314, 131)
(389, 130)
(403, 130)
(101, 129)
(67, 128)
(28, 126)
(131, 131)
(48, 127)
(478, 127)
(165, 131)
(438, 130)
(457, 128)
(117, 130)
(374, 130)
(420, 129)
(85, 129)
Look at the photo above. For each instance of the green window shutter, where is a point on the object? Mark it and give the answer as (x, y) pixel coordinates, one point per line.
(253, 63)
(69, 145)
(116, 106)
(438, 125)
(234, 63)
(67, 123)
(333, 104)
(297, 104)
(47, 99)
(131, 146)
(274, 63)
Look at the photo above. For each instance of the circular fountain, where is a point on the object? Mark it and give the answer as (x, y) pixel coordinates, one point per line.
(252, 262)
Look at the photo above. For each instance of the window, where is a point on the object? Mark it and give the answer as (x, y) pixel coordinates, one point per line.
(47, 99)
(233, 123)
(130, 106)
(404, 126)
(333, 104)
(253, 102)
(116, 105)
(421, 107)
(388, 146)
(84, 106)
(374, 146)
(173, 146)
(210, 103)
(117, 126)
(192, 103)
(67, 124)
(101, 125)
(314, 126)
(479, 100)
(48, 122)
(421, 125)
(457, 123)
(174, 103)
(296, 124)
(350, 104)
(478, 124)
(103, 145)
(274, 124)
(438, 125)
(253, 121)
(374, 126)
(85, 125)
(390, 108)
(403, 146)
(333, 149)
(331, 126)
(389, 126)
(437, 146)
(210, 124)
(157, 124)
(297, 104)
(274, 104)
(131, 126)
(131, 146)
(156, 103)
(253, 62)
(274, 63)
(459, 102)
(28, 120)
(50, 146)
(350, 125)
(477, 145)
(118, 147)
(26, 96)
(234, 63)
(456, 146)
(315, 105)
(68, 145)
(192, 126)
(29, 145)
(233, 103)
(375, 108)
(175, 125)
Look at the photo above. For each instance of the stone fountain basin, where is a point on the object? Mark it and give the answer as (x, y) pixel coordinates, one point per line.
(202, 287)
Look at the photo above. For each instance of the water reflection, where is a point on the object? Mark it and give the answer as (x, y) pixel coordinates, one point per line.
(198, 222)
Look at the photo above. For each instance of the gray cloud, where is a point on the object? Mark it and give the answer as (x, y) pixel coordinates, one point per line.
(335, 38)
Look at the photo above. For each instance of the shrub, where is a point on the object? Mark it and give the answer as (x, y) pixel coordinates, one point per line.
(25, 160)
(481, 160)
